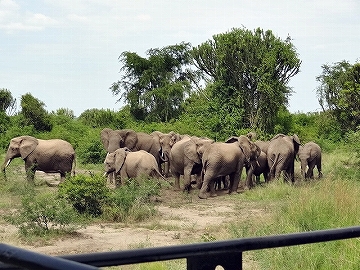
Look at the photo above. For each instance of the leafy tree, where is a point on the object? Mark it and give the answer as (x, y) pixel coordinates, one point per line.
(7, 102)
(250, 72)
(34, 113)
(155, 87)
(100, 118)
(339, 93)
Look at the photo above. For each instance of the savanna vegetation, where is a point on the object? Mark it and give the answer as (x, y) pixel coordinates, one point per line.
(234, 83)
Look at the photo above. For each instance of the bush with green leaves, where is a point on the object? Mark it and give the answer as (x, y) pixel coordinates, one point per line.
(87, 194)
(132, 201)
(41, 214)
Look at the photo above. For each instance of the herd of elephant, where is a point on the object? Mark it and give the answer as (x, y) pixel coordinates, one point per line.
(210, 163)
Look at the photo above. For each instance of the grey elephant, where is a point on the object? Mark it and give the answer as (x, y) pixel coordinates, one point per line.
(251, 165)
(186, 161)
(258, 168)
(281, 155)
(127, 164)
(310, 156)
(166, 141)
(49, 156)
(221, 159)
(264, 145)
(115, 139)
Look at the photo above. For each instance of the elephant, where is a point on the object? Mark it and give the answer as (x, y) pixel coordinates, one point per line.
(264, 145)
(166, 140)
(260, 167)
(251, 165)
(310, 155)
(224, 158)
(128, 164)
(115, 139)
(281, 154)
(184, 160)
(49, 156)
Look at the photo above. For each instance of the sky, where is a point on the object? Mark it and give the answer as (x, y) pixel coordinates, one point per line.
(65, 53)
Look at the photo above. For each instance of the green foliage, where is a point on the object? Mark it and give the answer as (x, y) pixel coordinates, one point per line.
(339, 92)
(34, 113)
(87, 194)
(250, 71)
(91, 152)
(44, 213)
(131, 202)
(7, 102)
(100, 118)
(155, 88)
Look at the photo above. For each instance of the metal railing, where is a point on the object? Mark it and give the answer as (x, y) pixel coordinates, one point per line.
(200, 256)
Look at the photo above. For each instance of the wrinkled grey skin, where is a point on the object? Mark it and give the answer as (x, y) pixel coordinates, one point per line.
(166, 141)
(49, 156)
(310, 156)
(281, 155)
(264, 145)
(251, 162)
(127, 164)
(186, 161)
(260, 167)
(221, 159)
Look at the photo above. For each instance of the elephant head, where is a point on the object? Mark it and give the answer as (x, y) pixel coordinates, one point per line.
(115, 139)
(201, 145)
(166, 140)
(115, 160)
(22, 147)
(249, 148)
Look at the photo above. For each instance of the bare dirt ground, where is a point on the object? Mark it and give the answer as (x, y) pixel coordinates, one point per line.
(182, 219)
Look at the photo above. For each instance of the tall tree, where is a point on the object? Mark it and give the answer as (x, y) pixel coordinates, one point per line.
(155, 87)
(250, 71)
(7, 102)
(34, 113)
(339, 93)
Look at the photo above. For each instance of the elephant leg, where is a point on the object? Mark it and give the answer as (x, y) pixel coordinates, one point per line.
(205, 185)
(212, 188)
(187, 179)
(30, 172)
(310, 171)
(318, 166)
(177, 181)
(249, 176)
(236, 181)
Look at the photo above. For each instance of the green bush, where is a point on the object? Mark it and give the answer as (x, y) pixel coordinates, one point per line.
(44, 213)
(132, 201)
(87, 194)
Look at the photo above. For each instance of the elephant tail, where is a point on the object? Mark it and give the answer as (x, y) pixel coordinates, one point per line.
(274, 161)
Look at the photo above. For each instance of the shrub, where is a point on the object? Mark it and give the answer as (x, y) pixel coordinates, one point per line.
(132, 201)
(43, 213)
(87, 194)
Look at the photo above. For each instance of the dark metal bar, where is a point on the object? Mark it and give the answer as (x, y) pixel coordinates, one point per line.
(211, 249)
(202, 256)
(31, 260)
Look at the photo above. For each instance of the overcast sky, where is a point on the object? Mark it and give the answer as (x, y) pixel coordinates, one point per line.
(65, 53)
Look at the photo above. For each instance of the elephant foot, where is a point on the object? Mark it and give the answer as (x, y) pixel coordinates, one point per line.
(203, 196)
(213, 195)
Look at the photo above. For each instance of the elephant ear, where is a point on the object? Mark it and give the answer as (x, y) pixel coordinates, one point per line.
(280, 135)
(174, 137)
(244, 144)
(104, 135)
(296, 139)
(119, 155)
(190, 151)
(129, 137)
(27, 146)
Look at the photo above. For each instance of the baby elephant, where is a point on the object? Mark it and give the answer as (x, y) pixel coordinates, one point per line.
(310, 156)
(127, 164)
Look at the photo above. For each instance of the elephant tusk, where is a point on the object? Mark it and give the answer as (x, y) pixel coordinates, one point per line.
(8, 163)
(105, 174)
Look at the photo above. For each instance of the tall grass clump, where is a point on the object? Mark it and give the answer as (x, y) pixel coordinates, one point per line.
(132, 201)
(325, 204)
